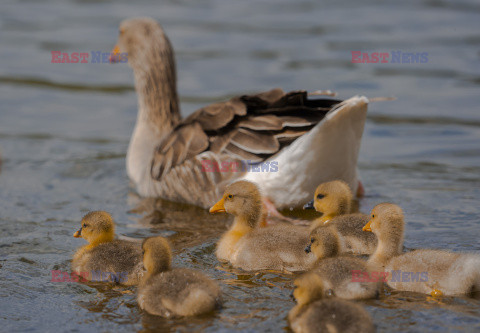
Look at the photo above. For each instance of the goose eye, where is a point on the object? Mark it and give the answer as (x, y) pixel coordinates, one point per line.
(320, 196)
(230, 196)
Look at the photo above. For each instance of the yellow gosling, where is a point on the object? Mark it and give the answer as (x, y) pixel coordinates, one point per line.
(103, 256)
(245, 245)
(344, 276)
(434, 272)
(334, 201)
(313, 313)
(174, 292)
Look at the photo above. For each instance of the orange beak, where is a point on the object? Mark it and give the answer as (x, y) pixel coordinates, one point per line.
(367, 226)
(218, 207)
(114, 56)
(78, 233)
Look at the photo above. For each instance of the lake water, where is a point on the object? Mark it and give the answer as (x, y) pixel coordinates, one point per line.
(64, 130)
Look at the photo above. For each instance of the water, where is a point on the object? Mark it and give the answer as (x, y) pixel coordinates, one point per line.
(64, 130)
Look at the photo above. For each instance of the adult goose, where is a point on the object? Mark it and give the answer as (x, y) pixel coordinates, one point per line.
(309, 141)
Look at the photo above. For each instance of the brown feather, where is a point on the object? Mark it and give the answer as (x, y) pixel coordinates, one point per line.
(242, 154)
(255, 142)
(249, 127)
(261, 123)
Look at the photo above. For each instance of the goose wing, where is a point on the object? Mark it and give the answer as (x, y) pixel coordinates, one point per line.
(248, 127)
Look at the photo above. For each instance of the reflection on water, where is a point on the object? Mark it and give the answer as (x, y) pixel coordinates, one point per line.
(65, 128)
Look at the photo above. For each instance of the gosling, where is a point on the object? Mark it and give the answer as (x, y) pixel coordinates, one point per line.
(104, 257)
(177, 292)
(313, 313)
(246, 246)
(434, 272)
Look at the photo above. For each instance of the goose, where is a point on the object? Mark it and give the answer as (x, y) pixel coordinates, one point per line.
(434, 272)
(193, 159)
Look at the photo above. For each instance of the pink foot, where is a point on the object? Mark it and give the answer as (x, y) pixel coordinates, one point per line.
(272, 216)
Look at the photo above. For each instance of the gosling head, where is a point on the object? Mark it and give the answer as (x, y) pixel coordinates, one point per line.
(144, 42)
(387, 223)
(324, 243)
(241, 199)
(308, 288)
(332, 199)
(97, 227)
(157, 255)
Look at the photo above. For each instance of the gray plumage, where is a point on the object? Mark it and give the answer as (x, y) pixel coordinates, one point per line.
(163, 156)
(279, 247)
(338, 276)
(117, 256)
(179, 292)
(356, 240)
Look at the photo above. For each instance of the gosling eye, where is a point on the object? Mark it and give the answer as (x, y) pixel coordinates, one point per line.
(230, 196)
(373, 215)
(143, 252)
(320, 196)
(312, 240)
(84, 225)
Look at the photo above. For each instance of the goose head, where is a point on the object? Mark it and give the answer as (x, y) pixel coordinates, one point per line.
(331, 199)
(157, 255)
(97, 227)
(243, 200)
(143, 41)
(151, 57)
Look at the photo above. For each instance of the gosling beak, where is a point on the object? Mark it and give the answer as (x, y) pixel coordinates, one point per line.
(218, 207)
(308, 249)
(78, 233)
(114, 56)
(367, 226)
(309, 205)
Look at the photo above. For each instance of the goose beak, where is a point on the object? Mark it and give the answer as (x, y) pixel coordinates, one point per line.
(367, 226)
(114, 57)
(218, 207)
(78, 233)
(309, 205)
